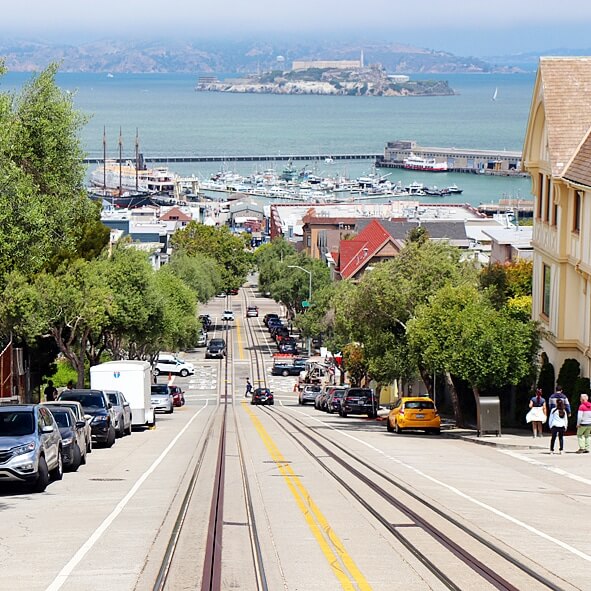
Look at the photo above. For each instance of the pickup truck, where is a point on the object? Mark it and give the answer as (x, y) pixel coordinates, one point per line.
(288, 367)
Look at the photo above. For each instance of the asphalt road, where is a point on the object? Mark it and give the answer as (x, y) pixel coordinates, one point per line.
(108, 525)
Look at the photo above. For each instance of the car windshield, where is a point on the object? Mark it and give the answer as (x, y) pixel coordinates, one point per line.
(262, 392)
(72, 407)
(86, 400)
(113, 399)
(419, 404)
(160, 390)
(16, 423)
(216, 343)
(62, 418)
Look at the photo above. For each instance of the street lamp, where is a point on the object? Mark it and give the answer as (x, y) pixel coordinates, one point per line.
(309, 296)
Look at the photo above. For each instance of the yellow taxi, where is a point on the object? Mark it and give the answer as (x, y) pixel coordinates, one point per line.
(414, 412)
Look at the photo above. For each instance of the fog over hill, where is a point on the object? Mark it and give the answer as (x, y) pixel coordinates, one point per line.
(239, 57)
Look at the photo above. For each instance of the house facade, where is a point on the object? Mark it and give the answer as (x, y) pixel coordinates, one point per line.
(557, 154)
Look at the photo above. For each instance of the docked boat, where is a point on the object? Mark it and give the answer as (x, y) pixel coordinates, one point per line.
(128, 177)
(414, 162)
(125, 200)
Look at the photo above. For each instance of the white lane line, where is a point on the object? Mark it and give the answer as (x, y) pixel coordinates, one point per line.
(66, 571)
(458, 492)
(548, 467)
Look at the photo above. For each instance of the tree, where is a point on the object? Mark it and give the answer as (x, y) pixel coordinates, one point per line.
(546, 379)
(460, 332)
(44, 208)
(228, 250)
(567, 378)
(201, 273)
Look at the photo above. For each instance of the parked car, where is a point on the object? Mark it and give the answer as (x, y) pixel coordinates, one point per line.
(334, 399)
(321, 400)
(30, 446)
(205, 321)
(262, 396)
(287, 368)
(228, 315)
(414, 412)
(274, 323)
(252, 312)
(309, 393)
(359, 401)
(122, 410)
(216, 349)
(178, 396)
(232, 291)
(78, 411)
(201, 339)
(167, 363)
(96, 404)
(267, 317)
(72, 434)
(288, 347)
(162, 398)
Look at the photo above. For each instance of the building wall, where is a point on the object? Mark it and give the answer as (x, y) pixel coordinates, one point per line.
(323, 64)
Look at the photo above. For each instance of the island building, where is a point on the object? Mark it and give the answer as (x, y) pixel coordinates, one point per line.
(328, 64)
(557, 155)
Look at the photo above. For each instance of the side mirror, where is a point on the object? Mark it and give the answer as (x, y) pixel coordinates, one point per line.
(47, 429)
(109, 405)
(80, 424)
(88, 417)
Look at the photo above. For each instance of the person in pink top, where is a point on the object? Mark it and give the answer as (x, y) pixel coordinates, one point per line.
(584, 424)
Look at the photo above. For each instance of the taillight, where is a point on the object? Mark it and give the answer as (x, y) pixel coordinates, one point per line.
(401, 412)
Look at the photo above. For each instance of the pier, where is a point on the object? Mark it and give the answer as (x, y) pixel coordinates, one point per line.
(240, 158)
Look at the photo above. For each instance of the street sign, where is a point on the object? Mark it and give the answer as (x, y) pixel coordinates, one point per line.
(305, 304)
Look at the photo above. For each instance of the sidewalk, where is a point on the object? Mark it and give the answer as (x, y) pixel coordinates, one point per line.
(509, 439)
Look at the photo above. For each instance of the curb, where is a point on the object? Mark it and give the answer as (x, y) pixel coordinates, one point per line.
(491, 443)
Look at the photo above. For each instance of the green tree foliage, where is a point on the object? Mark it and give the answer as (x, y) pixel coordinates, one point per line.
(460, 331)
(567, 378)
(269, 261)
(201, 273)
(546, 379)
(43, 205)
(509, 282)
(228, 250)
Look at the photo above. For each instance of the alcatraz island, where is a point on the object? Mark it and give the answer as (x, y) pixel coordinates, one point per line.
(337, 77)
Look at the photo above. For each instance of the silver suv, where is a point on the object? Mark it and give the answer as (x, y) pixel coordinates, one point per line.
(30, 446)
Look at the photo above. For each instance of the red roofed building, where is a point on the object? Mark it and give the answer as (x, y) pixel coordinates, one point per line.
(372, 245)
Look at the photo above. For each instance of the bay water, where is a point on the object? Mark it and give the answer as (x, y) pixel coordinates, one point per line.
(174, 120)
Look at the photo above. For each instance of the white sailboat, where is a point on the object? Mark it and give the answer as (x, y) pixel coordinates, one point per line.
(495, 94)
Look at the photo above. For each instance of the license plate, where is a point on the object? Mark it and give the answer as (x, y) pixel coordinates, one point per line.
(419, 416)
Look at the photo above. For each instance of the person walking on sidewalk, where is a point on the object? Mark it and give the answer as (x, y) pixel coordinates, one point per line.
(584, 424)
(559, 395)
(558, 422)
(537, 413)
(248, 388)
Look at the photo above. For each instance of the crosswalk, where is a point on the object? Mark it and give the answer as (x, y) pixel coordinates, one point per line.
(205, 378)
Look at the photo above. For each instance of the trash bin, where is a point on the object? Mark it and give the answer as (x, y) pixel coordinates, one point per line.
(488, 415)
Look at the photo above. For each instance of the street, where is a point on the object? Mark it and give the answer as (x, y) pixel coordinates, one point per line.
(311, 501)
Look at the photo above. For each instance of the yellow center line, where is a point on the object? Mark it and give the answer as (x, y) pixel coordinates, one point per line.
(316, 521)
(239, 338)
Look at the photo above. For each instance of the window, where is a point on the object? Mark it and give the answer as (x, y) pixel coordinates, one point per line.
(577, 211)
(540, 193)
(546, 291)
(547, 200)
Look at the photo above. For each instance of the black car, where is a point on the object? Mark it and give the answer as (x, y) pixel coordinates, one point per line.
(216, 349)
(334, 399)
(72, 432)
(267, 317)
(359, 401)
(96, 404)
(288, 367)
(262, 396)
(288, 347)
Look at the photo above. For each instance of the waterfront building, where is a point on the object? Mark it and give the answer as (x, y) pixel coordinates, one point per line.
(557, 154)
(327, 64)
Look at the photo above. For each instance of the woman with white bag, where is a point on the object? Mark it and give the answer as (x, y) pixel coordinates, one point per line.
(537, 413)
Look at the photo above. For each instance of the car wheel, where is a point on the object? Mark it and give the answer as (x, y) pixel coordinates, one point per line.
(436, 431)
(156, 371)
(343, 414)
(58, 472)
(169, 412)
(184, 373)
(128, 430)
(284, 373)
(397, 427)
(389, 426)
(89, 446)
(120, 432)
(42, 476)
(76, 459)
(110, 438)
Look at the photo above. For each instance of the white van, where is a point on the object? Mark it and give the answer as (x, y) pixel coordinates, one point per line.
(134, 379)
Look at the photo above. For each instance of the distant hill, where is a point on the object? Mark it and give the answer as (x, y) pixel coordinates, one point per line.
(528, 62)
(243, 57)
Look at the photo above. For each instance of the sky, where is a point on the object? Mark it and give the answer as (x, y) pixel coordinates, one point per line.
(464, 27)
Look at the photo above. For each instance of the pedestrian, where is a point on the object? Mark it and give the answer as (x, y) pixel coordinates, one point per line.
(248, 388)
(559, 395)
(50, 392)
(537, 413)
(558, 422)
(584, 424)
